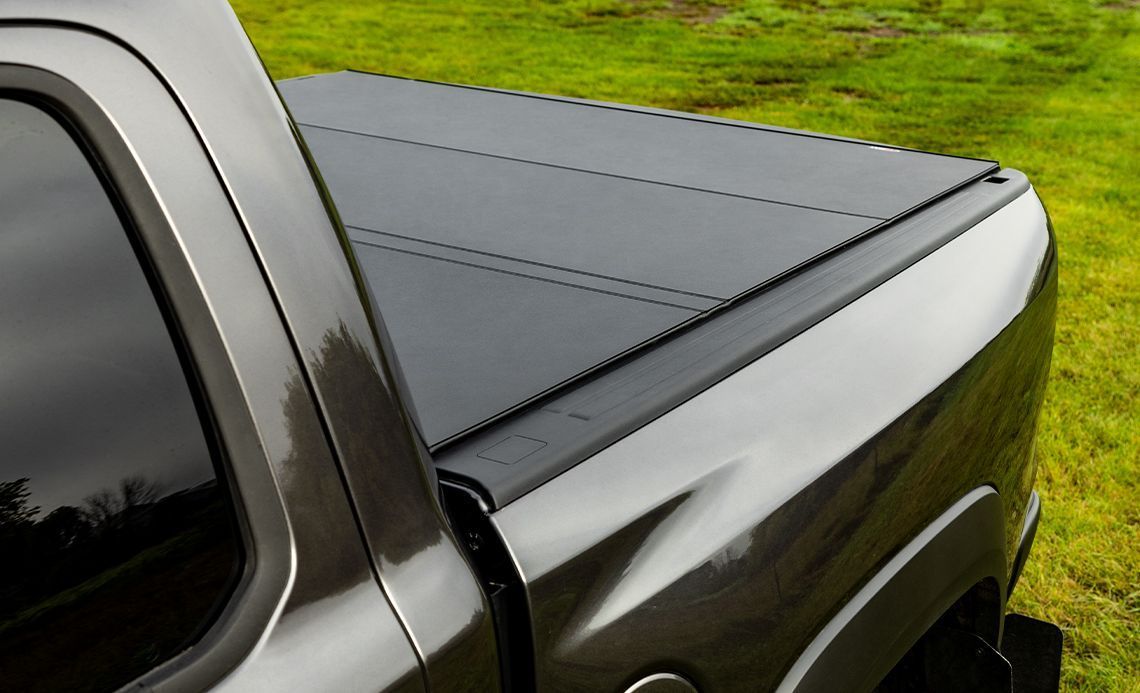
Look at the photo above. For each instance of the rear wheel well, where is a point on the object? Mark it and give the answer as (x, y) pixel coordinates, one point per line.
(952, 573)
(977, 614)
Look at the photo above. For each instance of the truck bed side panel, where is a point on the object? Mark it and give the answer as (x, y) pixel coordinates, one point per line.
(718, 539)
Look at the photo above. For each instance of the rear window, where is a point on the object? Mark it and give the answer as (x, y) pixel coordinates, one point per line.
(116, 532)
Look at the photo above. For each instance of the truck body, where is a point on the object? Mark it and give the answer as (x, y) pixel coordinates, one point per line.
(353, 382)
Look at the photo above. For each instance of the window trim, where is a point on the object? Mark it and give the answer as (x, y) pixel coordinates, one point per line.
(219, 461)
(268, 559)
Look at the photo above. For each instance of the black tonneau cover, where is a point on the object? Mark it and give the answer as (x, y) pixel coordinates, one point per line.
(515, 241)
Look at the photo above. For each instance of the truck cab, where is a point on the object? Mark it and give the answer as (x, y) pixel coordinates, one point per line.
(359, 383)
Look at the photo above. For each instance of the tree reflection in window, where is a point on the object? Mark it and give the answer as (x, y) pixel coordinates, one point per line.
(117, 544)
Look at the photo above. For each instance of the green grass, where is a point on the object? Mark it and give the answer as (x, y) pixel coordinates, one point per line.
(1052, 88)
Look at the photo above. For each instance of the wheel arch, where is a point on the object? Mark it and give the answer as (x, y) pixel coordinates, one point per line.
(959, 553)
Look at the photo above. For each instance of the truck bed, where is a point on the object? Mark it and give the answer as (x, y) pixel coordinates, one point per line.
(515, 242)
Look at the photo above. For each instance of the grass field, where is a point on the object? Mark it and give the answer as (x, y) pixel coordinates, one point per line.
(1050, 87)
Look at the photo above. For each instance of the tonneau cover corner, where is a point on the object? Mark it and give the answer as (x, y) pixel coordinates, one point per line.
(515, 241)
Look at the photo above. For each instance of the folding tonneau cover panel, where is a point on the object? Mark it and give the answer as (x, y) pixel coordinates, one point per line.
(514, 241)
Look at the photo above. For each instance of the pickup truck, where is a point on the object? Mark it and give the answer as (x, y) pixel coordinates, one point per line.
(357, 383)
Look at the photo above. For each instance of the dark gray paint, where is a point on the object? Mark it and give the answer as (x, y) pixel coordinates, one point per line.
(585, 418)
(344, 369)
(961, 548)
(313, 594)
(237, 229)
(1025, 542)
(722, 537)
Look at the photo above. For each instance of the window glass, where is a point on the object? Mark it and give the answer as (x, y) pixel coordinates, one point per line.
(117, 544)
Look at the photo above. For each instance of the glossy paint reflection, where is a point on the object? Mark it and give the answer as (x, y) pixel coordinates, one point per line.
(201, 52)
(288, 222)
(336, 632)
(417, 560)
(246, 360)
(721, 537)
